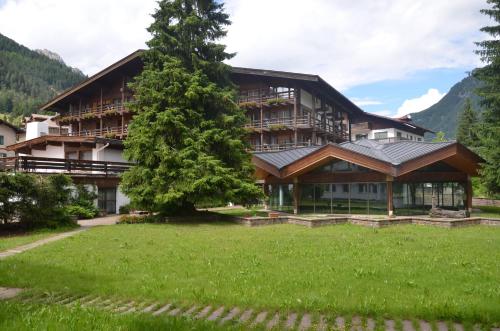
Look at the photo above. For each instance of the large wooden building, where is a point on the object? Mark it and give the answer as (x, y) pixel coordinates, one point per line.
(300, 129)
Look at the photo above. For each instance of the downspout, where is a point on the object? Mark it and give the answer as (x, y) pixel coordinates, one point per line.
(99, 150)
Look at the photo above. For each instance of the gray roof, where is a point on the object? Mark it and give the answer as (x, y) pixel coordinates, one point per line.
(283, 158)
(394, 153)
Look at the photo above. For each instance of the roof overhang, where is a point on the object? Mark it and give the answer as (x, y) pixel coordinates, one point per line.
(42, 142)
(455, 155)
(129, 58)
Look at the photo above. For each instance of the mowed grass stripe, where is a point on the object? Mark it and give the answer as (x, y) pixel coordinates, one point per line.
(405, 271)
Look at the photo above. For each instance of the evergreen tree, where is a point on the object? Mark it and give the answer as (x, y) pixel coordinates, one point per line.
(467, 129)
(489, 132)
(187, 134)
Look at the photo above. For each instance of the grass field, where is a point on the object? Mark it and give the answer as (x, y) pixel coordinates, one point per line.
(405, 271)
(14, 240)
(19, 317)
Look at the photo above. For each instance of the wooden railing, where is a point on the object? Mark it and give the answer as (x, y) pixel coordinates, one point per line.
(105, 132)
(44, 165)
(279, 147)
(265, 97)
(94, 111)
(302, 121)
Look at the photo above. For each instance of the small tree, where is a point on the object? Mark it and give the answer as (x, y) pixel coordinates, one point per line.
(489, 132)
(187, 137)
(440, 137)
(467, 129)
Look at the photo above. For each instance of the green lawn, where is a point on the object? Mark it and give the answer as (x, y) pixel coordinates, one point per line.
(17, 316)
(404, 271)
(11, 241)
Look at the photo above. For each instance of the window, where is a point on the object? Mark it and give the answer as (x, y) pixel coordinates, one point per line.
(419, 139)
(3, 155)
(2, 140)
(381, 135)
(361, 136)
(334, 188)
(361, 188)
(399, 134)
(345, 188)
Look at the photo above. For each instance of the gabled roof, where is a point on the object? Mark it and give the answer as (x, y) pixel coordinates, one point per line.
(45, 140)
(93, 78)
(394, 159)
(404, 122)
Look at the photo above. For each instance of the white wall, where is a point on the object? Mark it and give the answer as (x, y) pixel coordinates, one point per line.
(50, 151)
(392, 133)
(121, 199)
(36, 129)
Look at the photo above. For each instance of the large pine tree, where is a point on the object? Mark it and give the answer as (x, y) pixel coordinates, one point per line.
(467, 129)
(490, 75)
(187, 135)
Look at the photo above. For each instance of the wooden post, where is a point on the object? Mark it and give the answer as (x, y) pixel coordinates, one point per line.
(313, 138)
(469, 194)
(261, 124)
(100, 117)
(296, 105)
(296, 195)
(390, 195)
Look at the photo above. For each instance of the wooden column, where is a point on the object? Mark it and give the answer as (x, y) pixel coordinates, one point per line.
(296, 195)
(390, 202)
(296, 105)
(468, 193)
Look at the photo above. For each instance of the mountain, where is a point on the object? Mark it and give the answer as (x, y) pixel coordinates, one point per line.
(443, 116)
(30, 78)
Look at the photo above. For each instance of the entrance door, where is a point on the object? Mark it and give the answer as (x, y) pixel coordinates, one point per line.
(106, 199)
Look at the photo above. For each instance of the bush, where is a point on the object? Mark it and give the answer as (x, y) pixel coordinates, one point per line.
(34, 200)
(125, 209)
(132, 219)
(83, 198)
(81, 212)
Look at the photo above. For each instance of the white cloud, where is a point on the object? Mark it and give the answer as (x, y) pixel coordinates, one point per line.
(421, 103)
(347, 42)
(361, 102)
(88, 34)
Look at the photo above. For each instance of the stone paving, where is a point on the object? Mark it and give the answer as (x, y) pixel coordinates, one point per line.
(232, 315)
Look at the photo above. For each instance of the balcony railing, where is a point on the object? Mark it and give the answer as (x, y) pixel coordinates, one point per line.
(259, 97)
(302, 121)
(111, 132)
(279, 147)
(88, 113)
(71, 167)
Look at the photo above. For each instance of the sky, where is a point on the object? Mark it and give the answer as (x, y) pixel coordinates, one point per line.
(391, 57)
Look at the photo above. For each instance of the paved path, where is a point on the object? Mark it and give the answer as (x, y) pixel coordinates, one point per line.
(85, 225)
(218, 314)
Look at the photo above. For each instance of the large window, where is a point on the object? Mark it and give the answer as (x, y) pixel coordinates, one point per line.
(381, 135)
(341, 198)
(2, 142)
(416, 198)
(281, 197)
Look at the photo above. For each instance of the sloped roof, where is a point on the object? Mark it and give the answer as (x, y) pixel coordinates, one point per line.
(281, 159)
(394, 153)
(394, 159)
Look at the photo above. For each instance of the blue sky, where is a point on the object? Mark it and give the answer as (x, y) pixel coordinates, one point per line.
(390, 94)
(391, 57)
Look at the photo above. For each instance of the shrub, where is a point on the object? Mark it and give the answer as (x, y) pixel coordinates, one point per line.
(125, 209)
(80, 212)
(490, 209)
(132, 219)
(34, 200)
(84, 198)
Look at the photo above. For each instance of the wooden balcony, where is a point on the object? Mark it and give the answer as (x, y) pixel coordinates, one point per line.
(257, 98)
(74, 168)
(111, 133)
(278, 147)
(276, 123)
(90, 113)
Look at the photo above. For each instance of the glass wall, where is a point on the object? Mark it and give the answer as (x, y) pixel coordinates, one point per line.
(281, 197)
(343, 198)
(416, 198)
